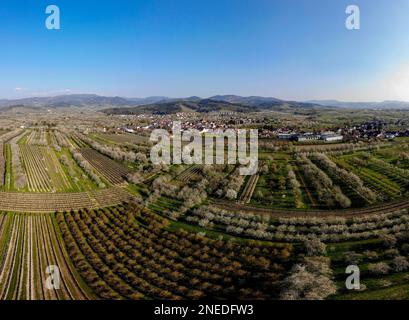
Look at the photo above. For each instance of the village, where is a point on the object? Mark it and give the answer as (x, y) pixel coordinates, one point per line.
(365, 131)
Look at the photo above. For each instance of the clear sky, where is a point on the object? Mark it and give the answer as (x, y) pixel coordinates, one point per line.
(290, 49)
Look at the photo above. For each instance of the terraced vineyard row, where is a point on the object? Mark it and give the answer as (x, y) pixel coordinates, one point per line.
(379, 183)
(126, 253)
(125, 138)
(43, 169)
(111, 170)
(29, 245)
(52, 202)
(78, 143)
(110, 196)
(3, 139)
(249, 189)
(37, 138)
(192, 173)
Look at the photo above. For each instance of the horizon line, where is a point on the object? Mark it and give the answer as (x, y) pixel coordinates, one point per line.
(190, 96)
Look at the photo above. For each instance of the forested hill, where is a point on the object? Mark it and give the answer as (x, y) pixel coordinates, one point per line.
(207, 105)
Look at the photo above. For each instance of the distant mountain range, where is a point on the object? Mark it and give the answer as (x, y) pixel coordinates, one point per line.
(83, 100)
(362, 105)
(161, 104)
(73, 100)
(155, 104)
(264, 102)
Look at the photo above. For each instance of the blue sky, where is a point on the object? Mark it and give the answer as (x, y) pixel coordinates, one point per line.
(290, 49)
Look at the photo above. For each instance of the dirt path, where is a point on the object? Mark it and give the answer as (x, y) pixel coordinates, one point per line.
(304, 186)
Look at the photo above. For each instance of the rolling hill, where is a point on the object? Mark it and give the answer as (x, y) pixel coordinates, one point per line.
(202, 106)
(163, 104)
(215, 103)
(73, 100)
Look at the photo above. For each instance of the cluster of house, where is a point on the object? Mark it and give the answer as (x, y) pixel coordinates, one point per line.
(369, 130)
(376, 129)
(166, 122)
(221, 121)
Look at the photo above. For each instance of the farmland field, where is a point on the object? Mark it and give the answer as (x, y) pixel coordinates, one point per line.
(125, 138)
(203, 158)
(156, 263)
(43, 169)
(112, 171)
(30, 243)
(92, 206)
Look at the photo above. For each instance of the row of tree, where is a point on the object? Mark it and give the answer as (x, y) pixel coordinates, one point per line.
(115, 153)
(70, 167)
(231, 187)
(349, 178)
(299, 228)
(61, 138)
(295, 186)
(38, 138)
(395, 170)
(163, 264)
(20, 178)
(3, 139)
(311, 278)
(327, 193)
(87, 167)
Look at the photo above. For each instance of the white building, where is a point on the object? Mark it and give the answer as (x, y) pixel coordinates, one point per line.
(285, 136)
(332, 137)
(307, 137)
